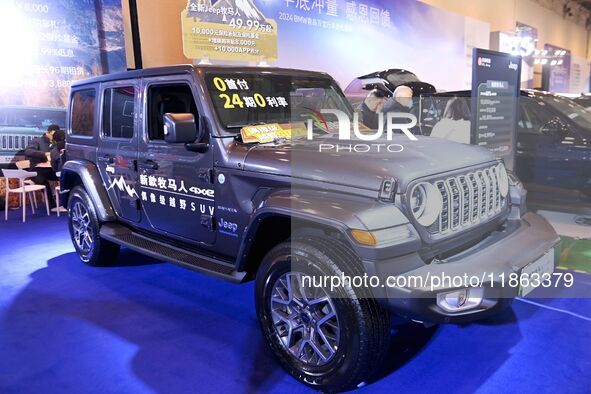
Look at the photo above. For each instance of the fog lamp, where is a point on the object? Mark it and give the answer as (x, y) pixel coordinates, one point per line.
(460, 300)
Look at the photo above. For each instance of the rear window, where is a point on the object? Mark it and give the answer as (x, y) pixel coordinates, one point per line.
(82, 112)
(119, 112)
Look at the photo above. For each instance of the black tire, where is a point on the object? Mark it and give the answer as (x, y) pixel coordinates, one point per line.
(364, 341)
(93, 250)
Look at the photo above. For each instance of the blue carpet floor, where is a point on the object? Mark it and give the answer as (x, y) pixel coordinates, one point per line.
(150, 327)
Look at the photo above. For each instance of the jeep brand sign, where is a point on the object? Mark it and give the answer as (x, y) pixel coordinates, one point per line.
(495, 89)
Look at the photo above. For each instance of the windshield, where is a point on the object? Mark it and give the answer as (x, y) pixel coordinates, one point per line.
(401, 77)
(569, 108)
(263, 98)
(32, 117)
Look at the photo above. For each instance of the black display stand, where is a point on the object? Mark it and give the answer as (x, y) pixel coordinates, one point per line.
(496, 79)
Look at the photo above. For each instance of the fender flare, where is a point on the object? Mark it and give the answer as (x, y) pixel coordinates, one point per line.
(92, 181)
(330, 211)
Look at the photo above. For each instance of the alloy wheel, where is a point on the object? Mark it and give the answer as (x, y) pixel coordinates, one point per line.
(82, 226)
(305, 320)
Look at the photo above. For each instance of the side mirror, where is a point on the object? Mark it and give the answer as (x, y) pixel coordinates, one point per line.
(555, 127)
(180, 128)
(201, 146)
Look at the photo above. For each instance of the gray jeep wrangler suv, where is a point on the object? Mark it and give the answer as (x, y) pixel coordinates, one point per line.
(163, 161)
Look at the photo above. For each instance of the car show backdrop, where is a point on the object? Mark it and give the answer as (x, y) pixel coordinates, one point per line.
(54, 43)
(47, 44)
(345, 38)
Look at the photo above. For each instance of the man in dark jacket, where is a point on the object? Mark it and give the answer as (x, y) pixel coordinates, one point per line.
(39, 147)
(371, 107)
(38, 152)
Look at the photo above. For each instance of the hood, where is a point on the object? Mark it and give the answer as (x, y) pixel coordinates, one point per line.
(304, 160)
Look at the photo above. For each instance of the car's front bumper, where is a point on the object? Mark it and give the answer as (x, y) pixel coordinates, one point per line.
(503, 252)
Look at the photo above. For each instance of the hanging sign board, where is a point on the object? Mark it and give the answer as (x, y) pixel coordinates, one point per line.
(228, 31)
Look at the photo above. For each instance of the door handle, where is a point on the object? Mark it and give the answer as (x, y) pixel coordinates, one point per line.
(107, 159)
(149, 165)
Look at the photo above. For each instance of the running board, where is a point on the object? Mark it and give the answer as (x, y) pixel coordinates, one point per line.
(161, 251)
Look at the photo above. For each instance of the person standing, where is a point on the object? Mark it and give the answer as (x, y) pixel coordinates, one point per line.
(400, 102)
(38, 153)
(455, 124)
(371, 107)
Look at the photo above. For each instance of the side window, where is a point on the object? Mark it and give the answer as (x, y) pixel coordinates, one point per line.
(119, 112)
(82, 112)
(534, 115)
(164, 99)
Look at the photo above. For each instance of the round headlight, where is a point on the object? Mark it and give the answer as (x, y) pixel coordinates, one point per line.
(426, 203)
(502, 179)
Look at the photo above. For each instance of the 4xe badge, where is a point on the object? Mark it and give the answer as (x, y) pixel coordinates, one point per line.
(227, 228)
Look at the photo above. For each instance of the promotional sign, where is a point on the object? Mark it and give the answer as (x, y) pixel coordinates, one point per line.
(45, 46)
(495, 94)
(264, 133)
(528, 37)
(228, 30)
(580, 69)
(344, 38)
(556, 72)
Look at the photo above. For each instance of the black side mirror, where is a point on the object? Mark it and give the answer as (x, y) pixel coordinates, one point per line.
(180, 128)
(204, 133)
(555, 127)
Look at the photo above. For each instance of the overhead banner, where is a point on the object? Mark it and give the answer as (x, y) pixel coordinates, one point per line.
(228, 30)
(346, 38)
(496, 78)
(45, 46)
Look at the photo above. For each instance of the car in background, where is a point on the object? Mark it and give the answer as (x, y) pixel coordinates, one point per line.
(584, 100)
(386, 81)
(20, 124)
(553, 153)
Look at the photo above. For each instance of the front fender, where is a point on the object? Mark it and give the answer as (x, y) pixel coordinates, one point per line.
(341, 213)
(91, 179)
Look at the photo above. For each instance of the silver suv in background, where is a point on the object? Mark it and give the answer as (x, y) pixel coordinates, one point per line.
(20, 124)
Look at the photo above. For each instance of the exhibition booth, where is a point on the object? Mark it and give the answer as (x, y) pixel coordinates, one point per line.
(295, 196)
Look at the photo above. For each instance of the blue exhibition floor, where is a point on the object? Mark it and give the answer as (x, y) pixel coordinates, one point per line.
(147, 327)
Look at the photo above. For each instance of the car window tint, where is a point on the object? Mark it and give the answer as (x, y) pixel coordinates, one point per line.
(536, 114)
(119, 112)
(82, 112)
(163, 99)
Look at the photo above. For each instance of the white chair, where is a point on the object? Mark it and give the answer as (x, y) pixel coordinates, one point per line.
(25, 165)
(22, 190)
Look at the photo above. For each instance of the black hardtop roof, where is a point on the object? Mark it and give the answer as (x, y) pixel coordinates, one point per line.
(187, 69)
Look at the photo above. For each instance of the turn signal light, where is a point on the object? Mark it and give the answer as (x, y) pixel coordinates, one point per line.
(364, 237)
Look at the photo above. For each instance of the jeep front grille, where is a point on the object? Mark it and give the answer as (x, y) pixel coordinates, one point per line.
(468, 199)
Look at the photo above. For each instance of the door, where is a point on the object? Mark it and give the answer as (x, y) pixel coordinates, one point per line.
(177, 192)
(117, 150)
